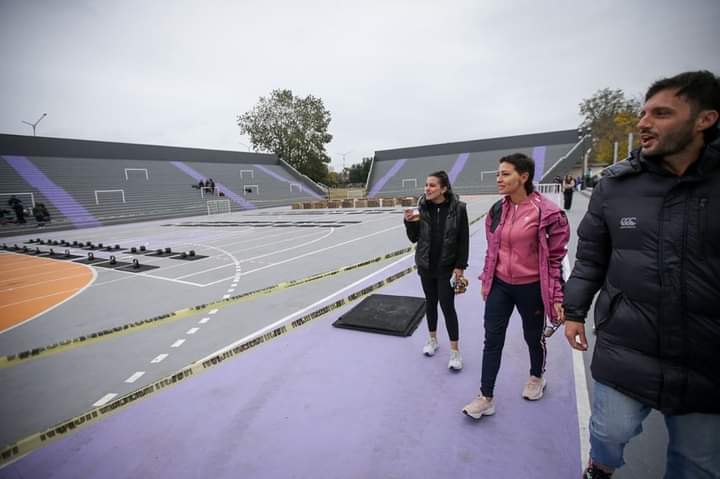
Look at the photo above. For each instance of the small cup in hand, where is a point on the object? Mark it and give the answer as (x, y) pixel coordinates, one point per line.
(412, 214)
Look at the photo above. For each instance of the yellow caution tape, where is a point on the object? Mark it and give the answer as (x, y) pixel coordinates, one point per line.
(68, 344)
(28, 444)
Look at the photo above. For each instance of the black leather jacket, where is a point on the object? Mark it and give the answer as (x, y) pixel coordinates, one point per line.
(650, 241)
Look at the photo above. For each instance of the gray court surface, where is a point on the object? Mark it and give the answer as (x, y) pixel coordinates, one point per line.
(246, 251)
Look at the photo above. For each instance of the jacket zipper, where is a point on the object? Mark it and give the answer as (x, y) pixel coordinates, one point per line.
(702, 224)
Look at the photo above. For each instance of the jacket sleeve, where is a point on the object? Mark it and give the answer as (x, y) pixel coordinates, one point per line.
(487, 249)
(591, 260)
(463, 243)
(558, 236)
(412, 229)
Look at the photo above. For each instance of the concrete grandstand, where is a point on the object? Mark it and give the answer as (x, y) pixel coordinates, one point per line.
(471, 165)
(89, 183)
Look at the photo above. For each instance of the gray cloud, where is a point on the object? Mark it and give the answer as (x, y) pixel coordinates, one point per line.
(392, 73)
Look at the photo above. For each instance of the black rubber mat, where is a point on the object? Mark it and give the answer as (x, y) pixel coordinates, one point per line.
(63, 256)
(188, 257)
(106, 264)
(141, 268)
(384, 314)
(92, 261)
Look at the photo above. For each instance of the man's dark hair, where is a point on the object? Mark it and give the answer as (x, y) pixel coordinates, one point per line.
(522, 164)
(444, 181)
(701, 89)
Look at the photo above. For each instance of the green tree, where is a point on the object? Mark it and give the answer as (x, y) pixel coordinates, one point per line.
(611, 116)
(294, 128)
(358, 172)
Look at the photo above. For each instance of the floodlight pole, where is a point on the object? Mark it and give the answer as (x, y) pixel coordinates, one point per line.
(34, 125)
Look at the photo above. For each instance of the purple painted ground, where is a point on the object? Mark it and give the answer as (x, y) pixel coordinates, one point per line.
(323, 402)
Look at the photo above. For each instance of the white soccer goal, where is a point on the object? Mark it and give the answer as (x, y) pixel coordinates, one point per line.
(409, 184)
(144, 170)
(218, 207)
(488, 173)
(107, 192)
(296, 187)
(19, 196)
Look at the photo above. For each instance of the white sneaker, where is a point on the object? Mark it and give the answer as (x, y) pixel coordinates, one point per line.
(430, 347)
(455, 362)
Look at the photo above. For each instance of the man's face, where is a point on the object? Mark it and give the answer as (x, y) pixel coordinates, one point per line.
(666, 124)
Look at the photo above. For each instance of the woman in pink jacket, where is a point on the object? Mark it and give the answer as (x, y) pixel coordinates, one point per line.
(527, 237)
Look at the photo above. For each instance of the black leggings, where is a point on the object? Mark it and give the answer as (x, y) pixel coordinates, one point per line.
(439, 289)
(501, 301)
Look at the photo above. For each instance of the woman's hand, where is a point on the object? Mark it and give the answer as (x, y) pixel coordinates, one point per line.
(411, 214)
(459, 273)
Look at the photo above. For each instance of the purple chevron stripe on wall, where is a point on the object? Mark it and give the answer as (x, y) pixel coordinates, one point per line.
(458, 167)
(237, 199)
(386, 177)
(538, 156)
(281, 178)
(60, 199)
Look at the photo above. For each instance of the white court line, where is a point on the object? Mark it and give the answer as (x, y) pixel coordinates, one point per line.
(159, 358)
(245, 260)
(306, 254)
(135, 377)
(177, 343)
(583, 404)
(192, 330)
(104, 400)
(231, 290)
(204, 320)
(290, 316)
(213, 311)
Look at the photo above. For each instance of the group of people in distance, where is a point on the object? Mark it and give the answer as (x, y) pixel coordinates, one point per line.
(39, 212)
(648, 243)
(207, 185)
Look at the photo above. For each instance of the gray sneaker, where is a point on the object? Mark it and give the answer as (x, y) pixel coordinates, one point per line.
(430, 347)
(479, 407)
(534, 388)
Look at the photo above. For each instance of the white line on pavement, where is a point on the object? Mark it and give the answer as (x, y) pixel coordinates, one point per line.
(177, 343)
(159, 358)
(104, 400)
(135, 377)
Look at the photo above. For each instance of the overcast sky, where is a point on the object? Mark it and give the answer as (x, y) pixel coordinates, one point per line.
(392, 73)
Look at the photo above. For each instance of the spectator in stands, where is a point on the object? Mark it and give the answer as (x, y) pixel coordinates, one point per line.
(41, 214)
(527, 235)
(439, 226)
(18, 208)
(649, 243)
(568, 187)
(200, 185)
(211, 185)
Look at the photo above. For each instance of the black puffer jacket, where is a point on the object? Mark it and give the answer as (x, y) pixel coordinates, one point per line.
(442, 236)
(651, 240)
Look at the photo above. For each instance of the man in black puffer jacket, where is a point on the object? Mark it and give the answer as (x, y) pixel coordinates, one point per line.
(650, 241)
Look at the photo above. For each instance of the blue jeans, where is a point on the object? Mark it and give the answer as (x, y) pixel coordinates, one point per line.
(694, 448)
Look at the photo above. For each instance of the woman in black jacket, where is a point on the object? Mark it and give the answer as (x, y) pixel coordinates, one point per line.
(439, 226)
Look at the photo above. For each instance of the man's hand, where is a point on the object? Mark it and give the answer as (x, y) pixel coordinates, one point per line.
(559, 312)
(575, 334)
